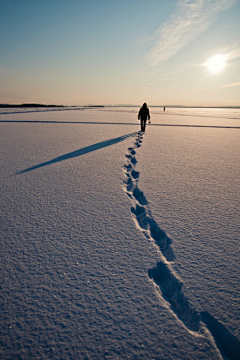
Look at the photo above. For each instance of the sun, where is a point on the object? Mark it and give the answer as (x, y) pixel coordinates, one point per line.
(216, 63)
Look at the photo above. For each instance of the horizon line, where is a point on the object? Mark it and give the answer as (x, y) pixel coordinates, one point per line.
(33, 104)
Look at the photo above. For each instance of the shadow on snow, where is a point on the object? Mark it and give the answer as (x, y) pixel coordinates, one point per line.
(79, 152)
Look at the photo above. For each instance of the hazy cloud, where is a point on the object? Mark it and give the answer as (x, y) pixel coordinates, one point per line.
(235, 54)
(232, 84)
(190, 18)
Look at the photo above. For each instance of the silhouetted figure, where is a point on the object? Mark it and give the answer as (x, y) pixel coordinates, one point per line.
(164, 108)
(143, 115)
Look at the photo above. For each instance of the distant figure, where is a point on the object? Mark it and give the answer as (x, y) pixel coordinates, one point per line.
(143, 115)
(164, 108)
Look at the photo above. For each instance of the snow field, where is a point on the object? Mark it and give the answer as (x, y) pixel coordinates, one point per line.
(81, 279)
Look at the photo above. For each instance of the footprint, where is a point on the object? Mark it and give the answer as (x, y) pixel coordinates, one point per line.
(128, 156)
(135, 174)
(141, 216)
(128, 167)
(171, 289)
(159, 235)
(133, 160)
(139, 196)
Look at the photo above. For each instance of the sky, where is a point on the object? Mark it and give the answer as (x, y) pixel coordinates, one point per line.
(111, 52)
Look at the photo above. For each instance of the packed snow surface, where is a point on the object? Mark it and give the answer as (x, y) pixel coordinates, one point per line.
(117, 244)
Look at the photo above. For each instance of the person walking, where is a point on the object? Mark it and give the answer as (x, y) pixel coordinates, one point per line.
(143, 115)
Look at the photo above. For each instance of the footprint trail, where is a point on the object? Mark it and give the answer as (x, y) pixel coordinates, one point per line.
(166, 282)
(140, 210)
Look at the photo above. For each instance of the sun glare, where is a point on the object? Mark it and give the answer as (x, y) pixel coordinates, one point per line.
(216, 63)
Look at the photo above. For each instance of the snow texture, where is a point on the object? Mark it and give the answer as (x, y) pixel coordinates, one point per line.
(117, 244)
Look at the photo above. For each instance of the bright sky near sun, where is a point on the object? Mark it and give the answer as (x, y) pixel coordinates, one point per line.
(78, 52)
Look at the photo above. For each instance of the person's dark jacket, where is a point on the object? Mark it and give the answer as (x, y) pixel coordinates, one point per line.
(144, 113)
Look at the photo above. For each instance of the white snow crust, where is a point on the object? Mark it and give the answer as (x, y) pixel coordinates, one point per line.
(117, 244)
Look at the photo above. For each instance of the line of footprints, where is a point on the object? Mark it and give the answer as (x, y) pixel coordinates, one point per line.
(165, 279)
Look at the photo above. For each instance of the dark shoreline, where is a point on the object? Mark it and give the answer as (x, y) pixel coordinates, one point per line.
(43, 106)
(27, 105)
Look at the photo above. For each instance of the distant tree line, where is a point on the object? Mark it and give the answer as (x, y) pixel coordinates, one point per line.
(27, 105)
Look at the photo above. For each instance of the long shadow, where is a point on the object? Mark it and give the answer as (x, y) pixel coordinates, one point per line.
(79, 152)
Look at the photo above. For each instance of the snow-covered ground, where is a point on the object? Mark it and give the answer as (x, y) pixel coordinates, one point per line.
(119, 245)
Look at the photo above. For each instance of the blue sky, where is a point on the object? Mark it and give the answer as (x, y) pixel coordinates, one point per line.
(119, 52)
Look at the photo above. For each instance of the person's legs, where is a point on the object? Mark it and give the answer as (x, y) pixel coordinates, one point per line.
(144, 125)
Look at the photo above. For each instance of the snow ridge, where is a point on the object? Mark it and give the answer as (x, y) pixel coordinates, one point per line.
(166, 282)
